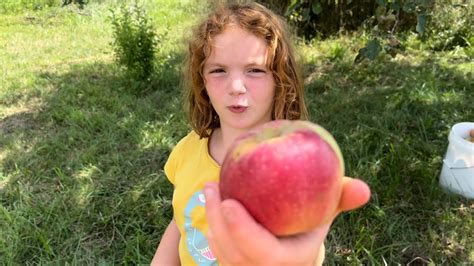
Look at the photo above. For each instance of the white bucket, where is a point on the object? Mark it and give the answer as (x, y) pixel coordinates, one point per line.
(457, 174)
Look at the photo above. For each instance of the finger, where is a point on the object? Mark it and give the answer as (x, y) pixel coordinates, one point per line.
(222, 244)
(307, 246)
(355, 193)
(251, 238)
(216, 250)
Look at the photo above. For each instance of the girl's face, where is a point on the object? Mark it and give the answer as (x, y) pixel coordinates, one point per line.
(239, 84)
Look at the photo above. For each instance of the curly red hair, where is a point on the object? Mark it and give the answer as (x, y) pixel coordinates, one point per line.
(263, 23)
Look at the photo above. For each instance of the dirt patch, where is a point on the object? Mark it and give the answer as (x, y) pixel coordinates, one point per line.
(15, 121)
(415, 255)
(22, 117)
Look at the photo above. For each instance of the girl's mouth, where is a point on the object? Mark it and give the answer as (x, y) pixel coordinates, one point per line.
(237, 109)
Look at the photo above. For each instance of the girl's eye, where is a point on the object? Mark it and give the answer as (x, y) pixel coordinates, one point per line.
(217, 70)
(257, 70)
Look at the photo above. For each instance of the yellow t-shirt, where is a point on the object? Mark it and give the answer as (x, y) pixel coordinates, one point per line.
(188, 168)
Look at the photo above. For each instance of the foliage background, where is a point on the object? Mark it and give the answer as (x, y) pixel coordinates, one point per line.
(82, 150)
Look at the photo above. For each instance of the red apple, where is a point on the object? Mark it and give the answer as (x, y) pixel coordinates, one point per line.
(287, 174)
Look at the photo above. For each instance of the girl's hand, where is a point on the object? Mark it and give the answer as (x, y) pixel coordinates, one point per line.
(236, 238)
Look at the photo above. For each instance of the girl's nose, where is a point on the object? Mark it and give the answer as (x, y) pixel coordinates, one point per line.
(237, 86)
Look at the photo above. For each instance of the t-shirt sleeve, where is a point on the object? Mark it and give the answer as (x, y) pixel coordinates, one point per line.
(175, 158)
(171, 165)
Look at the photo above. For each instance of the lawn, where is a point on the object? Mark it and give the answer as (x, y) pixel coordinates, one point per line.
(82, 152)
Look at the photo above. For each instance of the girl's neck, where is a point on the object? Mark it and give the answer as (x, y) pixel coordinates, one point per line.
(220, 142)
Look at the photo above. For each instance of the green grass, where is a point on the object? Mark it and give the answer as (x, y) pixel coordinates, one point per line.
(392, 119)
(81, 154)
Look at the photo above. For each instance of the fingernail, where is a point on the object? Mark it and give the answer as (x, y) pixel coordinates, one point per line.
(208, 192)
(228, 214)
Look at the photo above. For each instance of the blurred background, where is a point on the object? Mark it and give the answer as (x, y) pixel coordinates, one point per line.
(90, 107)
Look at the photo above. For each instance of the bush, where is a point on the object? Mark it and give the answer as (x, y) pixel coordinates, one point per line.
(443, 25)
(324, 18)
(15, 6)
(80, 3)
(278, 6)
(451, 25)
(134, 41)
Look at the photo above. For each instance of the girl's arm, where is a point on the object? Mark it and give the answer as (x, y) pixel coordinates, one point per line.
(167, 252)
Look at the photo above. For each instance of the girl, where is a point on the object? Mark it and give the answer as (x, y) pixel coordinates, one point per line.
(242, 74)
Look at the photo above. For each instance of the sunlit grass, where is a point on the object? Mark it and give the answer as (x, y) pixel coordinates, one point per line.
(81, 154)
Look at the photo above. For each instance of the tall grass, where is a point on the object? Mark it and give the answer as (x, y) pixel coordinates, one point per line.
(15, 6)
(392, 119)
(19, 6)
(81, 157)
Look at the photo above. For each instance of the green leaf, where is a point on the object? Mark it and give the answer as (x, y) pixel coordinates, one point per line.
(316, 8)
(292, 7)
(409, 7)
(396, 5)
(373, 49)
(421, 23)
(370, 51)
(424, 3)
(380, 11)
(382, 2)
(305, 14)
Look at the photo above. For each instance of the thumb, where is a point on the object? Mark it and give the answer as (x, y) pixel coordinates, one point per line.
(242, 227)
(355, 194)
(240, 221)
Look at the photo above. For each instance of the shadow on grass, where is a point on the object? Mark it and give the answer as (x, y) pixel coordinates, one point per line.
(392, 120)
(84, 181)
(83, 172)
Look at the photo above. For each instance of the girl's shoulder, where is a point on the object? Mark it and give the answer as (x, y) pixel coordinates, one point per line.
(191, 137)
(190, 141)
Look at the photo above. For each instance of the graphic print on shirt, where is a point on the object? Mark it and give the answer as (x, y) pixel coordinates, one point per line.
(196, 242)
